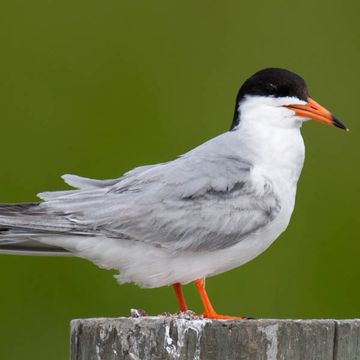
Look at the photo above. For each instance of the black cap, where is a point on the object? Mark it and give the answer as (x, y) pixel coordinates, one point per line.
(273, 82)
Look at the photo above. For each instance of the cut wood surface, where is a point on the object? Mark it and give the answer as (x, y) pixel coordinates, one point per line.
(168, 338)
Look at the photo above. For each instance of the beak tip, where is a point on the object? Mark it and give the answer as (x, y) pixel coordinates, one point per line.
(339, 124)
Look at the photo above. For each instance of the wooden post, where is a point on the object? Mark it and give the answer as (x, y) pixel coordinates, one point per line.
(170, 338)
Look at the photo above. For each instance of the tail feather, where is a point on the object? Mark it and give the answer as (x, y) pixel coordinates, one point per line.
(31, 247)
(22, 224)
(25, 227)
(38, 220)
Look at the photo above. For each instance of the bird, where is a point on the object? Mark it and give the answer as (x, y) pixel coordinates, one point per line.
(208, 211)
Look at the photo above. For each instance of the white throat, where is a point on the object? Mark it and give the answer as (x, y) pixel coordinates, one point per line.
(271, 134)
(270, 111)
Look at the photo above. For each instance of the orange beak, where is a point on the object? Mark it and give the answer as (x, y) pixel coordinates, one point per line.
(313, 110)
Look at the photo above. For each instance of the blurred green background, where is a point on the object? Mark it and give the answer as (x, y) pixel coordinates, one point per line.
(98, 87)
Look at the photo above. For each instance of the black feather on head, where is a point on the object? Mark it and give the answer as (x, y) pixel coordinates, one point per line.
(273, 82)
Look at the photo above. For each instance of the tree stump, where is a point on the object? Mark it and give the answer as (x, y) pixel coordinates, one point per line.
(171, 337)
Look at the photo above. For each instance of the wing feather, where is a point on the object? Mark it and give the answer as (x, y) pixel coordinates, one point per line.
(202, 201)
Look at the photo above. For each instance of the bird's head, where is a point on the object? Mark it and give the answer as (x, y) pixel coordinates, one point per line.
(280, 98)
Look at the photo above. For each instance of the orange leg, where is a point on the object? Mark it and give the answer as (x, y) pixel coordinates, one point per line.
(209, 311)
(180, 297)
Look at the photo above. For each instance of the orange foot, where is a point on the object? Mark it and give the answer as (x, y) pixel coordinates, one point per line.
(209, 312)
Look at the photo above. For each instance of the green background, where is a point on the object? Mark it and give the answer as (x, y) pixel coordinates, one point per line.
(99, 87)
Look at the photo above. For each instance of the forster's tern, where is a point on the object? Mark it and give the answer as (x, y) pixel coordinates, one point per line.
(210, 210)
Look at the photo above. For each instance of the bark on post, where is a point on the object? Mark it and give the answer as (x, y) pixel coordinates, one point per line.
(170, 338)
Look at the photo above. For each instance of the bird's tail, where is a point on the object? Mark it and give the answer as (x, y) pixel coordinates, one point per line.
(22, 224)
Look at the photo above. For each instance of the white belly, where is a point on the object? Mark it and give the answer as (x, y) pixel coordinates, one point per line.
(158, 267)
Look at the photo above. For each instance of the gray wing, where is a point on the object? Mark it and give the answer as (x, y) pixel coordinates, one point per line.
(198, 202)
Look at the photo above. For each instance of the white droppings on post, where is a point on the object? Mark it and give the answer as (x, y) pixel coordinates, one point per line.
(98, 352)
(134, 357)
(184, 326)
(169, 343)
(270, 332)
(102, 334)
(134, 353)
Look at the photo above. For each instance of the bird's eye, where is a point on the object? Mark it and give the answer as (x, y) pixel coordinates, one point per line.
(271, 89)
